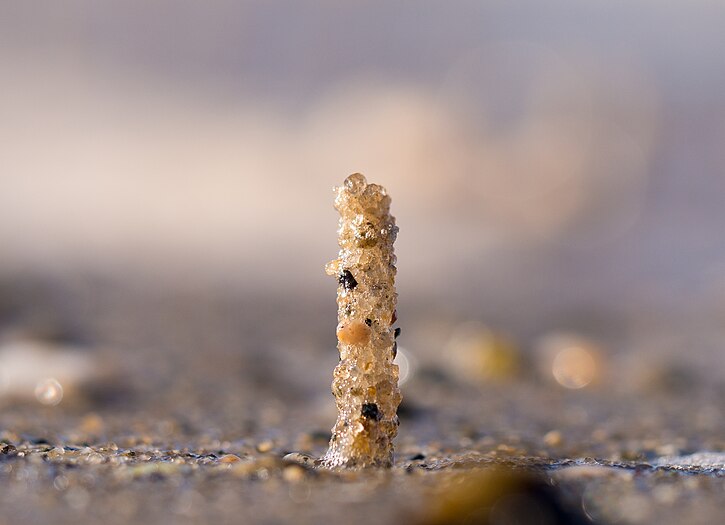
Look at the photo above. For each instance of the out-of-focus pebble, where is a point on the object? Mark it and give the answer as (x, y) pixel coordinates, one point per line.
(7, 448)
(573, 361)
(49, 392)
(228, 459)
(494, 496)
(56, 453)
(260, 467)
(91, 424)
(293, 473)
(265, 446)
(42, 370)
(553, 438)
(300, 459)
(477, 353)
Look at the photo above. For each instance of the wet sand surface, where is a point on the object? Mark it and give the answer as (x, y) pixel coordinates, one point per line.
(211, 406)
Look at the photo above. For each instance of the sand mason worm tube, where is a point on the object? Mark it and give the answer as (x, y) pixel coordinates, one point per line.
(365, 383)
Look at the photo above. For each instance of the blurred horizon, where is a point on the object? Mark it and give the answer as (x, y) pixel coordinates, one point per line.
(564, 157)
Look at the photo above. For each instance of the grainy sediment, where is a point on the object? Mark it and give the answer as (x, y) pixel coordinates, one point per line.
(365, 382)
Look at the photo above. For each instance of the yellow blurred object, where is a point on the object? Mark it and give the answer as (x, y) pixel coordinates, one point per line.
(553, 438)
(494, 495)
(478, 353)
(92, 424)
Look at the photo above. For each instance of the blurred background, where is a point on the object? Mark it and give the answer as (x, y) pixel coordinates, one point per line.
(166, 207)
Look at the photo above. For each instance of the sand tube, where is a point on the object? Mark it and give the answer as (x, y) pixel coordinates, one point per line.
(365, 383)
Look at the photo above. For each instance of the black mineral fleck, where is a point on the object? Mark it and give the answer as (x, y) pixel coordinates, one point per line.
(370, 411)
(347, 281)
